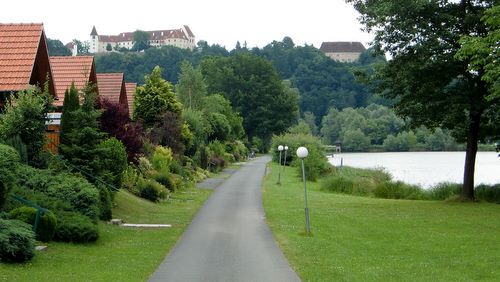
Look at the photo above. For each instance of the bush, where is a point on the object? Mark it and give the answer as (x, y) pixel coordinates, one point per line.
(130, 176)
(488, 193)
(165, 179)
(17, 241)
(316, 164)
(398, 190)
(444, 190)
(66, 187)
(46, 225)
(105, 202)
(74, 227)
(151, 190)
(9, 159)
(112, 160)
(162, 158)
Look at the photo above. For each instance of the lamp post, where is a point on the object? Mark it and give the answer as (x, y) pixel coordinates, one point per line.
(280, 148)
(284, 161)
(302, 153)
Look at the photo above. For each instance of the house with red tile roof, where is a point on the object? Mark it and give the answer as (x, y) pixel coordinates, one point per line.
(130, 88)
(24, 59)
(79, 70)
(343, 51)
(182, 38)
(112, 88)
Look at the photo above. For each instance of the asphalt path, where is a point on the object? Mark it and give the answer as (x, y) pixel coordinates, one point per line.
(229, 239)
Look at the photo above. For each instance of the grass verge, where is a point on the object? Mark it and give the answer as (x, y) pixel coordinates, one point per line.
(367, 239)
(120, 254)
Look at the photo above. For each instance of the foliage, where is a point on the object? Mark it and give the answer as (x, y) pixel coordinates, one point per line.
(482, 52)
(255, 91)
(57, 48)
(221, 117)
(82, 196)
(488, 193)
(315, 164)
(116, 122)
(165, 179)
(301, 128)
(191, 87)
(9, 159)
(162, 158)
(168, 132)
(82, 47)
(151, 190)
(155, 98)
(354, 181)
(130, 176)
(140, 40)
(112, 161)
(355, 141)
(443, 191)
(425, 77)
(16, 143)
(25, 116)
(17, 241)
(398, 190)
(47, 222)
(73, 227)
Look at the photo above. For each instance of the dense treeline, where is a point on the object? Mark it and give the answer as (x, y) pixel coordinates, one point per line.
(322, 82)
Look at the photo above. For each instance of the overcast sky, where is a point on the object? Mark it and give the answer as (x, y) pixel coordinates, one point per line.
(258, 22)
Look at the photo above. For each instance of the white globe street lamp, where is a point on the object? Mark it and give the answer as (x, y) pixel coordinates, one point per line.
(303, 153)
(280, 149)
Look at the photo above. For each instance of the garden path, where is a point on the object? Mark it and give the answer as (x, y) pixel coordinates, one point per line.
(229, 239)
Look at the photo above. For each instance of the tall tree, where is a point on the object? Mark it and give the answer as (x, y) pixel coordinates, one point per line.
(191, 87)
(155, 98)
(57, 48)
(255, 90)
(431, 86)
(141, 40)
(24, 119)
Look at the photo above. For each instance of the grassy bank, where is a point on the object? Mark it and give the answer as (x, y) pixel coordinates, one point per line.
(120, 254)
(367, 239)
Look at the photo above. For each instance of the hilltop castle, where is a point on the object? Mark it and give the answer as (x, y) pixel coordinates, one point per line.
(182, 38)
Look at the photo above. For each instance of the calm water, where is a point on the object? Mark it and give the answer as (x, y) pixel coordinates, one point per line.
(425, 168)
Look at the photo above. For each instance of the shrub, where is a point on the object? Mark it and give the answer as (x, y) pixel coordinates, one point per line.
(444, 190)
(165, 179)
(130, 176)
(162, 158)
(74, 227)
(105, 202)
(17, 241)
(316, 164)
(77, 191)
(9, 159)
(398, 190)
(151, 190)
(46, 225)
(112, 160)
(144, 166)
(488, 193)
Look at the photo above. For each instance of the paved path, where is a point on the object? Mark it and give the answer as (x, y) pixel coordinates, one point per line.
(229, 239)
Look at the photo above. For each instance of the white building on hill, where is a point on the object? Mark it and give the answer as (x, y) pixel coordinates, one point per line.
(182, 38)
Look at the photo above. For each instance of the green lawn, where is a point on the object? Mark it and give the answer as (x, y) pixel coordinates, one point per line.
(368, 239)
(120, 254)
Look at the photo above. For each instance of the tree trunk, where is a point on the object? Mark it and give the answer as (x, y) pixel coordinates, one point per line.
(470, 156)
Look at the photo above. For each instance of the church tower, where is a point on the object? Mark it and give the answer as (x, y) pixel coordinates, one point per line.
(94, 41)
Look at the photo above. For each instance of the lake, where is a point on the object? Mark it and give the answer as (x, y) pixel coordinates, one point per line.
(425, 168)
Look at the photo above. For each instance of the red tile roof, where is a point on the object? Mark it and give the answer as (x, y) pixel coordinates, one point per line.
(80, 70)
(112, 87)
(20, 46)
(130, 87)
